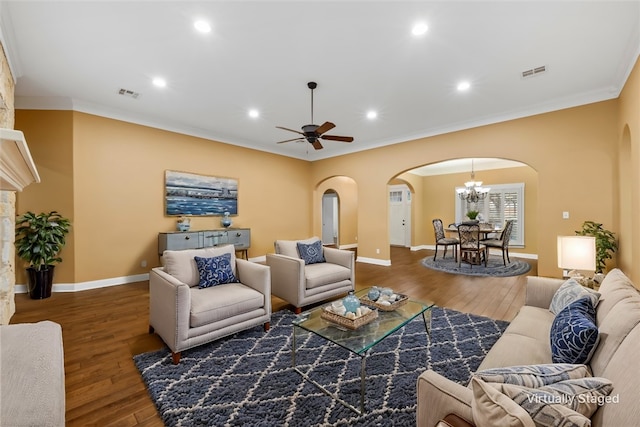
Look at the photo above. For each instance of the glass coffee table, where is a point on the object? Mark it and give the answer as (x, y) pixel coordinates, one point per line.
(359, 341)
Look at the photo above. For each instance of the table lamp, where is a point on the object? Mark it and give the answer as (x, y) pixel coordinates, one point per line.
(578, 254)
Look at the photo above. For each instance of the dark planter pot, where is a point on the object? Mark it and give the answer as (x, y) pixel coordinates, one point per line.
(40, 282)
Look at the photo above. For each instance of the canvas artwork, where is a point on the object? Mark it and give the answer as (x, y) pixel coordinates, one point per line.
(200, 195)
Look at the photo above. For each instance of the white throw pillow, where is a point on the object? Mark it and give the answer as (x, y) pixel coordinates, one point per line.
(569, 292)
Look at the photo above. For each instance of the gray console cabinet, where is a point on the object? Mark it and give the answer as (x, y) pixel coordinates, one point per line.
(179, 240)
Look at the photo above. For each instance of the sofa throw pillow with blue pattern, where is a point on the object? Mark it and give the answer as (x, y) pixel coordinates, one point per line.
(569, 292)
(311, 253)
(534, 375)
(565, 403)
(574, 334)
(215, 271)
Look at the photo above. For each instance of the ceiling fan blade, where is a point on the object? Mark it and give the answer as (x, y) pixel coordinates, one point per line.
(289, 140)
(316, 144)
(325, 127)
(337, 138)
(290, 130)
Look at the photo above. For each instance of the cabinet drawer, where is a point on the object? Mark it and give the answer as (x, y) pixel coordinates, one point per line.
(214, 238)
(178, 241)
(241, 238)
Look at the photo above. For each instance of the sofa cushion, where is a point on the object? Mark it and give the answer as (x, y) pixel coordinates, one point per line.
(221, 302)
(182, 265)
(321, 274)
(215, 270)
(311, 253)
(290, 247)
(614, 328)
(569, 292)
(574, 334)
(534, 375)
(492, 408)
(522, 344)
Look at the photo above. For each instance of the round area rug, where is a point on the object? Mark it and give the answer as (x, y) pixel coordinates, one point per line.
(494, 268)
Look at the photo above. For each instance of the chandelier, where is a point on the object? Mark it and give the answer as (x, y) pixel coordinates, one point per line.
(473, 191)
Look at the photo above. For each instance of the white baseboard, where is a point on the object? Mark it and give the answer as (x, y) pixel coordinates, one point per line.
(93, 284)
(349, 246)
(376, 261)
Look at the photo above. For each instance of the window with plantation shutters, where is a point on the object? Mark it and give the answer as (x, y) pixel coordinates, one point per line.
(504, 202)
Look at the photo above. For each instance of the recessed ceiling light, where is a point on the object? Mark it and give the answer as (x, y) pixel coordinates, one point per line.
(254, 113)
(419, 29)
(465, 85)
(202, 26)
(371, 115)
(159, 82)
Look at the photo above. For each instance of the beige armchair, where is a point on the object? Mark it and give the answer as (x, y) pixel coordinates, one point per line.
(185, 315)
(302, 284)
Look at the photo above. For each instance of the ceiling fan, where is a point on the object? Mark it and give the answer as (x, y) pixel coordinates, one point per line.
(314, 133)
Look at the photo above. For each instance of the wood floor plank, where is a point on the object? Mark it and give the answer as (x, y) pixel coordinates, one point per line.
(104, 328)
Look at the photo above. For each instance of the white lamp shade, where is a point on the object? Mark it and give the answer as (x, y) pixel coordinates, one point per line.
(577, 252)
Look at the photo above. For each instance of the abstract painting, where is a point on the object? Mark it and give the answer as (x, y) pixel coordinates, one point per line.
(199, 195)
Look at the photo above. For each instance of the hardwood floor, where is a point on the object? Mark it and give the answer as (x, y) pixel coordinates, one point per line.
(103, 328)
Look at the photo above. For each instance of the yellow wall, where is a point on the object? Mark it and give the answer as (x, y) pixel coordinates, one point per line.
(116, 201)
(563, 147)
(628, 178)
(50, 139)
(108, 175)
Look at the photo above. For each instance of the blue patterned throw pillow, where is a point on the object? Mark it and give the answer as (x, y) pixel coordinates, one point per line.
(574, 334)
(311, 253)
(215, 271)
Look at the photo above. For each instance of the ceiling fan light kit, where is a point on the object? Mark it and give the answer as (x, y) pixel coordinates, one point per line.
(313, 133)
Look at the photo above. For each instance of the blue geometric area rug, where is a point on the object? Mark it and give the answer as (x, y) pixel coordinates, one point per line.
(247, 379)
(495, 267)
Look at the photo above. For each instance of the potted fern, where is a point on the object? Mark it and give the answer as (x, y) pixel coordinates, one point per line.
(606, 243)
(39, 240)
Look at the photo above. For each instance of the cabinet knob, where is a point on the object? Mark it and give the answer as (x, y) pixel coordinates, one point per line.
(238, 234)
(186, 237)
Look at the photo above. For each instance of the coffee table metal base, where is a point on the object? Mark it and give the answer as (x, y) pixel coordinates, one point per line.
(426, 317)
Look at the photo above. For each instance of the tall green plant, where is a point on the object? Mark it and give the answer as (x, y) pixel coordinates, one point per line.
(606, 243)
(41, 237)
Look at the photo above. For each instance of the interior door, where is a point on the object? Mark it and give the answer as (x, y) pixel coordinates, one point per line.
(399, 215)
(329, 219)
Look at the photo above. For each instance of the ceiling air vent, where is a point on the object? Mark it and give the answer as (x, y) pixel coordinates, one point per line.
(129, 93)
(534, 71)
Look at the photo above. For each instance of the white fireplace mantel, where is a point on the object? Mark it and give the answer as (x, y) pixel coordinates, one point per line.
(17, 169)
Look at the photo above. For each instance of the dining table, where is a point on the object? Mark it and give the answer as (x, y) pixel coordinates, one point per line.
(485, 229)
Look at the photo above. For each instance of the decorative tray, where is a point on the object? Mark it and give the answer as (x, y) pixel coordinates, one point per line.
(347, 322)
(403, 299)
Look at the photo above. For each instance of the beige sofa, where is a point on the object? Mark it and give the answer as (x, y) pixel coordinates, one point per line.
(303, 284)
(186, 316)
(526, 342)
(32, 390)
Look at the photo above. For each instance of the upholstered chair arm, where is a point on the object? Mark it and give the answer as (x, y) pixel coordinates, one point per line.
(339, 256)
(540, 290)
(169, 308)
(438, 397)
(256, 276)
(287, 277)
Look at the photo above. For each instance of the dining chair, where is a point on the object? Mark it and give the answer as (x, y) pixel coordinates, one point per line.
(472, 251)
(502, 242)
(443, 240)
